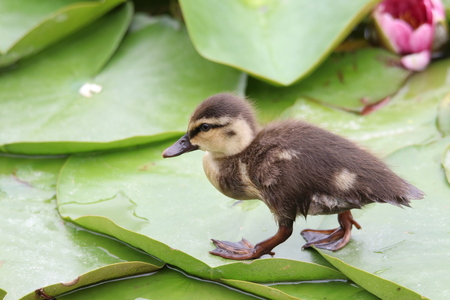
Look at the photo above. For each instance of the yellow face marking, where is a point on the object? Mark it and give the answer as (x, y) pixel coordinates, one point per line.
(218, 140)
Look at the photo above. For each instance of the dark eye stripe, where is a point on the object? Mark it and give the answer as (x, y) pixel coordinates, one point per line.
(197, 129)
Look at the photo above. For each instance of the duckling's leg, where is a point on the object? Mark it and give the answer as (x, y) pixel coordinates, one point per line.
(245, 250)
(333, 239)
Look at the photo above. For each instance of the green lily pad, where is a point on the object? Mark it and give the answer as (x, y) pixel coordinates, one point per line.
(126, 194)
(97, 276)
(27, 27)
(384, 289)
(406, 246)
(38, 248)
(325, 289)
(44, 80)
(408, 119)
(170, 210)
(149, 87)
(165, 284)
(259, 289)
(349, 80)
(402, 123)
(271, 39)
(115, 194)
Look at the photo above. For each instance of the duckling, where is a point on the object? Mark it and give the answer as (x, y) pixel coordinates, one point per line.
(294, 167)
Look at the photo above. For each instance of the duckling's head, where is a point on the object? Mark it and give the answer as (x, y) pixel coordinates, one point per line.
(223, 125)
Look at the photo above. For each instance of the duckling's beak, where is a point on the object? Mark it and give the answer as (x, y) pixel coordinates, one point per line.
(181, 146)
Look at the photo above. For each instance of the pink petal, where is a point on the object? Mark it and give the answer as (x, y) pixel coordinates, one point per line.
(397, 32)
(400, 33)
(417, 61)
(427, 8)
(421, 38)
(438, 10)
(381, 22)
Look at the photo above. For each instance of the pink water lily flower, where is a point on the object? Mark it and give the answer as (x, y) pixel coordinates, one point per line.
(412, 28)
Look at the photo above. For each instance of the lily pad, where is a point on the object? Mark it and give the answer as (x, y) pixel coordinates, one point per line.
(410, 246)
(141, 199)
(148, 89)
(384, 289)
(403, 123)
(27, 27)
(321, 289)
(408, 119)
(275, 40)
(155, 205)
(49, 75)
(165, 284)
(38, 248)
(348, 80)
(98, 276)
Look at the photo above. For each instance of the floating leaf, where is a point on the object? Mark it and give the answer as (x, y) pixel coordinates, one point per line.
(37, 247)
(165, 284)
(403, 123)
(165, 194)
(27, 27)
(384, 289)
(395, 243)
(162, 212)
(157, 195)
(271, 39)
(408, 119)
(326, 289)
(258, 289)
(349, 80)
(97, 276)
(145, 93)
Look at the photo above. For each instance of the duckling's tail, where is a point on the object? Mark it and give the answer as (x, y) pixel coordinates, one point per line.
(410, 193)
(414, 193)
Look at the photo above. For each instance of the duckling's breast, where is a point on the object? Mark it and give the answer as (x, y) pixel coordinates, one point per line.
(230, 176)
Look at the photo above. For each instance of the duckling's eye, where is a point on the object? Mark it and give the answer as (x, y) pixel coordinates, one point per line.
(205, 127)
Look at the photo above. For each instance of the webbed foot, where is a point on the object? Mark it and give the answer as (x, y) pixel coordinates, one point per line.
(333, 239)
(245, 250)
(240, 251)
